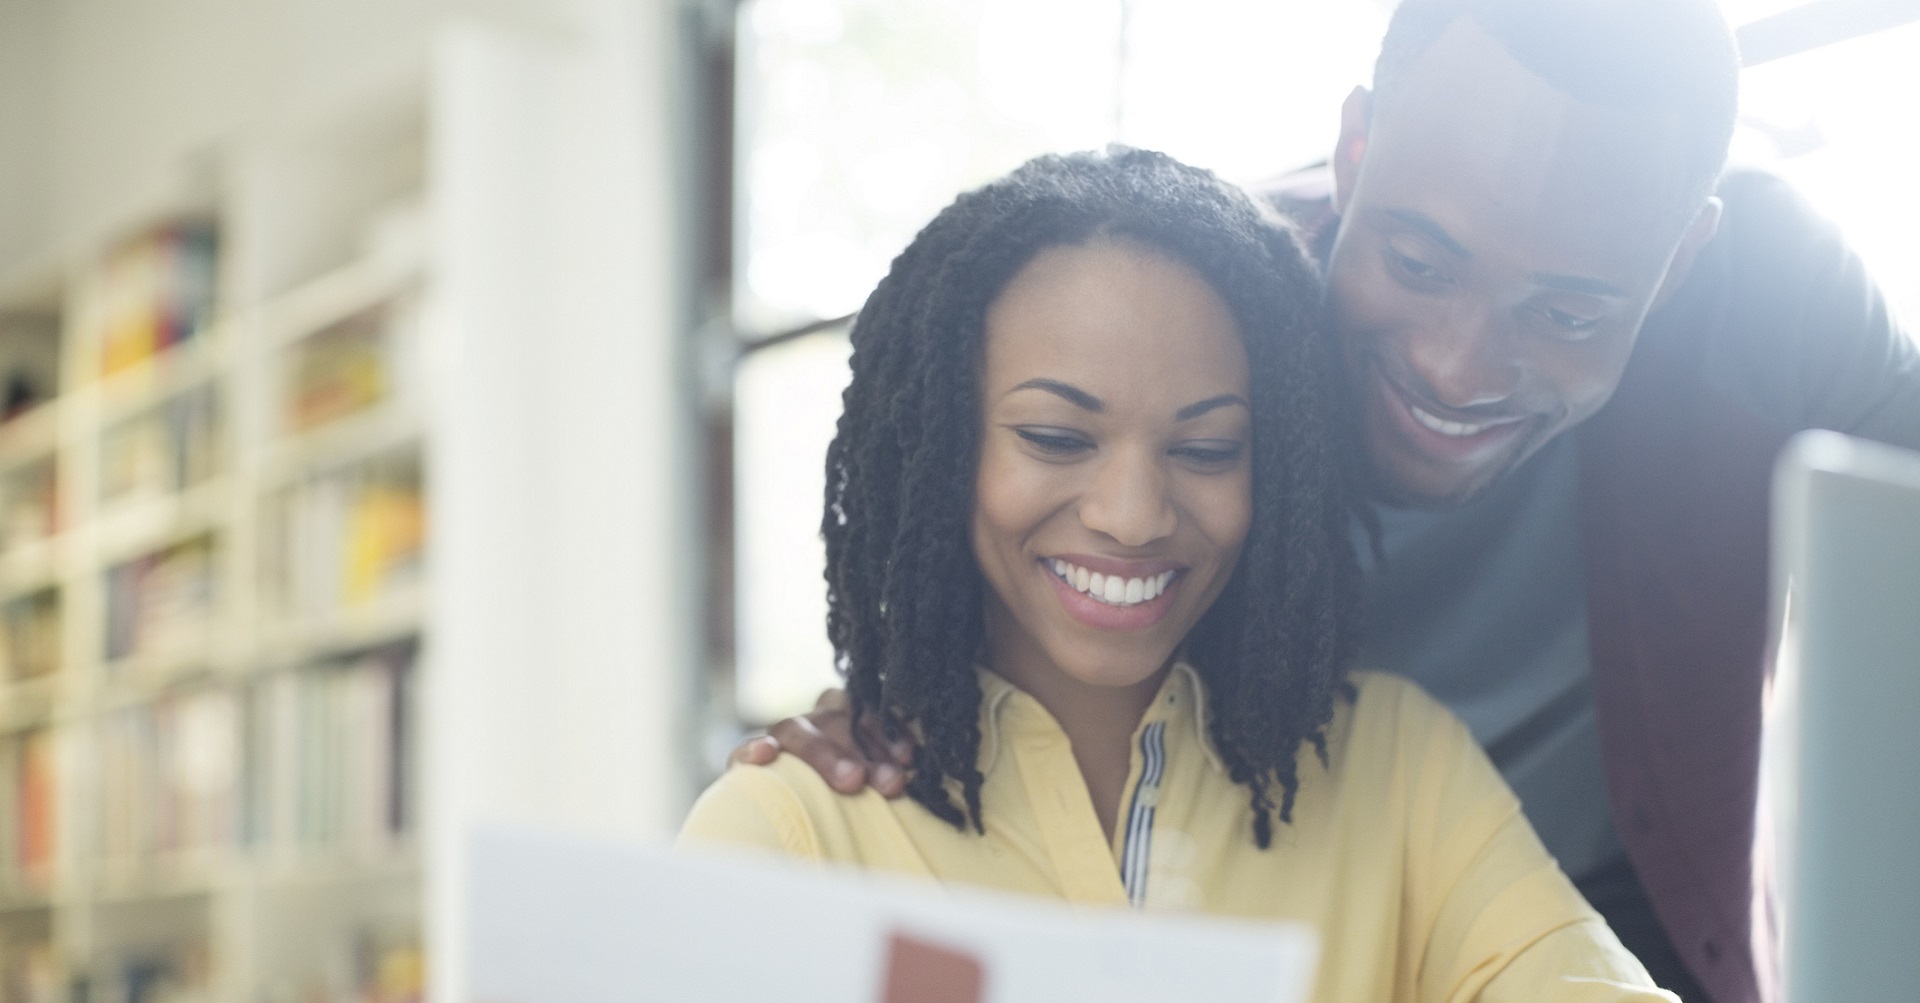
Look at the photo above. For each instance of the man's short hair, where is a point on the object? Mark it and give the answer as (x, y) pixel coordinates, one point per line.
(1672, 56)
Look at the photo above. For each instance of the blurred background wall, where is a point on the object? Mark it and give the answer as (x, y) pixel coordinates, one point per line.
(346, 482)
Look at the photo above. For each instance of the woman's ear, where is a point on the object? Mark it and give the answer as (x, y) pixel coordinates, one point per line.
(1352, 147)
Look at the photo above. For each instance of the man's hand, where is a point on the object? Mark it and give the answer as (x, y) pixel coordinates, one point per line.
(823, 739)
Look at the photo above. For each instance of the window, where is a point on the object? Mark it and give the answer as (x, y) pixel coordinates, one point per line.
(856, 120)
(1836, 122)
(859, 119)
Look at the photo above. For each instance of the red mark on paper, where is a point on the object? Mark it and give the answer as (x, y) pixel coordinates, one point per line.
(920, 972)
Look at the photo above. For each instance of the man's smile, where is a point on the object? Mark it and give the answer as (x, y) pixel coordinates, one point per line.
(1439, 435)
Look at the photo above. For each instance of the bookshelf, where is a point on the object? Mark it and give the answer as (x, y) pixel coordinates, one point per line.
(210, 590)
(342, 495)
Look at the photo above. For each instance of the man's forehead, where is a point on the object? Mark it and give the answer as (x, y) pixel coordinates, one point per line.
(1479, 142)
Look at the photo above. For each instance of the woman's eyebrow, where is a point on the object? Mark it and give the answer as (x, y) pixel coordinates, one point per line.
(1072, 394)
(1196, 410)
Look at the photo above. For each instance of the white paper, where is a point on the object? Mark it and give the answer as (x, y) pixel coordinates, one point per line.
(558, 920)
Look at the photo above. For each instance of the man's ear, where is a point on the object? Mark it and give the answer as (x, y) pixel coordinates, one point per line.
(1705, 224)
(1352, 148)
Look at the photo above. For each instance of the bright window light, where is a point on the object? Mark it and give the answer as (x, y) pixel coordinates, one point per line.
(859, 119)
(1837, 123)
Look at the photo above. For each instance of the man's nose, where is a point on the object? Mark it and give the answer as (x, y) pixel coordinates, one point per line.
(1470, 360)
(1128, 499)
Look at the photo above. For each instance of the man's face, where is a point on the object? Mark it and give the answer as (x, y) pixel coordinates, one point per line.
(1500, 244)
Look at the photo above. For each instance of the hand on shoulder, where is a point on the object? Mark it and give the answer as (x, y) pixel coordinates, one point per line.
(824, 739)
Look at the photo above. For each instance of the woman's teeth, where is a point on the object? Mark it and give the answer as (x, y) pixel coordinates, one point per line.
(1111, 589)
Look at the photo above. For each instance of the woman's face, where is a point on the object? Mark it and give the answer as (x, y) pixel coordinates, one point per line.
(1115, 481)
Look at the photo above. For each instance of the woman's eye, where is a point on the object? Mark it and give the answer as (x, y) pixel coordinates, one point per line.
(1210, 454)
(1052, 443)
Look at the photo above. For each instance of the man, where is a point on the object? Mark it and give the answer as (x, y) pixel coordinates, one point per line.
(1573, 364)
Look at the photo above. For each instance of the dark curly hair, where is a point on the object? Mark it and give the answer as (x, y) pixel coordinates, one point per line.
(905, 595)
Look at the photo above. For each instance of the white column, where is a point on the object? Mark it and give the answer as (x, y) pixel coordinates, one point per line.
(562, 639)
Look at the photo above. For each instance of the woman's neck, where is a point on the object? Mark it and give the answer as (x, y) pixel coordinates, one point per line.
(1099, 720)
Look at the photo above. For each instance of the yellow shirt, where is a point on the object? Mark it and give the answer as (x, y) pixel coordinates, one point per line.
(1408, 854)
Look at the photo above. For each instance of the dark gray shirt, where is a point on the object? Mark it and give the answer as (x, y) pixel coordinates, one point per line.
(1485, 607)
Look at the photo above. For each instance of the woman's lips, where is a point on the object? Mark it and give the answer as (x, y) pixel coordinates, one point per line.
(1443, 439)
(1127, 612)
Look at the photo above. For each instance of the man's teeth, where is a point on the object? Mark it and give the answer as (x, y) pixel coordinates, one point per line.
(1445, 427)
(1112, 589)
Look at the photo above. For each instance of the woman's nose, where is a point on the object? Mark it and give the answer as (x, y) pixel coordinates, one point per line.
(1128, 501)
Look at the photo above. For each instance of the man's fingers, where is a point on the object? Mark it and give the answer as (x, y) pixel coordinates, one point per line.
(841, 765)
(889, 780)
(756, 751)
(876, 739)
(887, 775)
(823, 739)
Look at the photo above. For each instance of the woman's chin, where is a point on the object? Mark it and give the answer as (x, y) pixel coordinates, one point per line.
(1119, 670)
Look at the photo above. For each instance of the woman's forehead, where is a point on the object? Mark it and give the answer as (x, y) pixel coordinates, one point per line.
(1114, 315)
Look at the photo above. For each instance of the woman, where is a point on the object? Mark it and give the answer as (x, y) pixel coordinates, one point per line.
(1087, 536)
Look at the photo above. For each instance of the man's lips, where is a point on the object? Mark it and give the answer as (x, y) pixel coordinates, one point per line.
(1442, 437)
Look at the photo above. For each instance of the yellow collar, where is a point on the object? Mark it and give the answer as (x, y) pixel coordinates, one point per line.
(1007, 709)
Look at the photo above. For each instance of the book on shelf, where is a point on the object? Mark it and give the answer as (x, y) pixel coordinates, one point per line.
(29, 830)
(29, 504)
(162, 451)
(343, 369)
(29, 361)
(389, 966)
(29, 970)
(30, 636)
(162, 602)
(153, 292)
(176, 969)
(348, 539)
(11, 880)
(330, 755)
(168, 777)
(305, 763)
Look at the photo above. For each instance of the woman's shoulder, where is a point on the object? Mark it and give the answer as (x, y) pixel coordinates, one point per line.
(785, 805)
(1391, 719)
(1387, 700)
(771, 807)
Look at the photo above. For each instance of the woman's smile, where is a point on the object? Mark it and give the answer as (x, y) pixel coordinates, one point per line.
(1116, 599)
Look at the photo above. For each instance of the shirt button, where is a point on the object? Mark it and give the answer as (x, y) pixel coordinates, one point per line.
(1147, 797)
(1712, 951)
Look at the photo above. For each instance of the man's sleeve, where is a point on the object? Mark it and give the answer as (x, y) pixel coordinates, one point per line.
(1502, 923)
(1803, 332)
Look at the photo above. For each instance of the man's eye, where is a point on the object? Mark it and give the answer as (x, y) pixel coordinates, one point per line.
(1210, 454)
(1414, 268)
(1569, 323)
(1052, 443)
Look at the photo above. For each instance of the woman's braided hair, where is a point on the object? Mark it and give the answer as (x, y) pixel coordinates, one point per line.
(905, 595)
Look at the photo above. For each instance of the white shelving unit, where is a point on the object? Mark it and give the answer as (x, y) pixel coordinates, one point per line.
(203, 915)
(499, 206)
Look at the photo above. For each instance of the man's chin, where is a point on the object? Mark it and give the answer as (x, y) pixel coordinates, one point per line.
(1404, 482)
